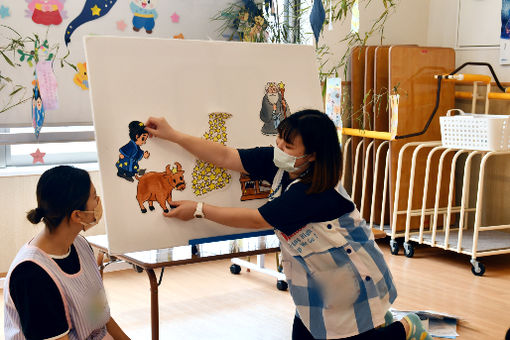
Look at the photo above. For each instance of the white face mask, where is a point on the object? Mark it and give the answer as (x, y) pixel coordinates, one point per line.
(285, 161)
(98, 212)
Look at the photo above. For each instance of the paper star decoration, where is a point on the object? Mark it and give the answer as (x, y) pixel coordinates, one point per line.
(38, 156)
(4, 12)
(121, 25)
(175, 17)
(96, 10)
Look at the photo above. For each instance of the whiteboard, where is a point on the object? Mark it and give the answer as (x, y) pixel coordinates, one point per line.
(479, 23)
(184, 81)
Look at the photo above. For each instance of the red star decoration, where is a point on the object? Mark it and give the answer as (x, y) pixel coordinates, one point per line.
(38, 156)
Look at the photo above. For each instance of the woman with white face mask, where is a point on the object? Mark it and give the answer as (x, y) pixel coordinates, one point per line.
(336, 273)
(53, 289)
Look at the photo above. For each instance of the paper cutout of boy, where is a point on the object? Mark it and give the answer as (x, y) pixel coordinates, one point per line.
(131, 153)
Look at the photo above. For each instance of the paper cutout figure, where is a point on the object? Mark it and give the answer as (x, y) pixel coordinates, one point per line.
(47, 84)
(206, 176)
(92, 10)
(274, 108)
(81, 78)
(38, 156)
(144, 15)
(179, 36)
(121, 25)
(251, 190)
(46, 12)
(158, 186)
(38, 112)
(175, 17)
(4, 12)
(131, 153)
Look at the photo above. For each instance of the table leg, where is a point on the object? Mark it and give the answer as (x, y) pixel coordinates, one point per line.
(100, 263)
(154, 304)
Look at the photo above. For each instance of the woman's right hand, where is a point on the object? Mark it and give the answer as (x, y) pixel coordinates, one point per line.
(159, 127)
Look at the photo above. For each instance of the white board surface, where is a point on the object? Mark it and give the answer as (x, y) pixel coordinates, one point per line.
(184, 81)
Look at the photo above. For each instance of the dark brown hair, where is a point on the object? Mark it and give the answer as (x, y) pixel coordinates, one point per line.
(319, 136)
(60, 191)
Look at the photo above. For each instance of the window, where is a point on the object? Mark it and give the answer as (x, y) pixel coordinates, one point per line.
(61, 144)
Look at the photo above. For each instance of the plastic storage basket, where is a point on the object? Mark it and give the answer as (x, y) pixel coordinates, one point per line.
(475, 131)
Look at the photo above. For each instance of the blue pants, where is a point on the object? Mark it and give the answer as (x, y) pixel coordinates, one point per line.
(147, 23)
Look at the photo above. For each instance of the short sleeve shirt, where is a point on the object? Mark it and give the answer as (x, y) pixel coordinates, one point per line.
(294, 209)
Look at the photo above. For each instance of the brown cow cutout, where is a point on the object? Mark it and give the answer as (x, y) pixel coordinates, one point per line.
(158, 186)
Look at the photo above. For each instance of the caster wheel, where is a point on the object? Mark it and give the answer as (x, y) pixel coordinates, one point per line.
(477, 268)
(408, 249)
(235, 269)
(194, 249)
(137, 269)
(281, 285)
(394, 247)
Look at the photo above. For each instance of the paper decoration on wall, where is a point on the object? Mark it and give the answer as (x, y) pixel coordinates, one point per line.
(47, 84)
(131, 153)
(81, 78)
(38, 112)
(504, 48)
(4, 12)
(274, 107)
(38, 156)
(144, 14)
(252, 190)
(355, 17)
(46, 12)
(158, 186)
(121, 25)
(179, 36)
(334, 100)
(175, 17)
(317, 17)
(92, 10)
(206, 176)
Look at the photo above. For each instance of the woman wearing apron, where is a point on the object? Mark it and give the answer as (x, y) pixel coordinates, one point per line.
(53, 289)
(337, 276)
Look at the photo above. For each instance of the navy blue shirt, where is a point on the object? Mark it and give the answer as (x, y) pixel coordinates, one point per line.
(294, 208)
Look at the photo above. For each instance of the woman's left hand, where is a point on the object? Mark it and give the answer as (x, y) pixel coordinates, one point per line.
(183, 210)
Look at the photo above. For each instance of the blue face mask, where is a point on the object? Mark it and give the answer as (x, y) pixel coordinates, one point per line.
(285, 161)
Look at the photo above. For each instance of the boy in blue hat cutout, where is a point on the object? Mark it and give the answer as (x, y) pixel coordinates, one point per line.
(131, 153)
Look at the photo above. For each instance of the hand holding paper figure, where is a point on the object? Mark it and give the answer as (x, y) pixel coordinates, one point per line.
(159, 127)
(183, 210)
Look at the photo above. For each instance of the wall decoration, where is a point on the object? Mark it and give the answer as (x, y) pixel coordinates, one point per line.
(47, 84)
(121, 25)
(46, 12)
(92, 10)
(38, 156)
(38, 113)
(175, 17)
(334, 100)
(504, 49)
(252, 190)
(179, 36)
(131, 153)
(158, 186)
(4, 12)
(81, 78)
(144, 15)
(274, 107)
(206, 176)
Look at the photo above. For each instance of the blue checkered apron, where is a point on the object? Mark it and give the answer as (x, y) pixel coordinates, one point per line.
(337, 274)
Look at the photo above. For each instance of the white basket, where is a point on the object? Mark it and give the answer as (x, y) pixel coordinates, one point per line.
(475, 131)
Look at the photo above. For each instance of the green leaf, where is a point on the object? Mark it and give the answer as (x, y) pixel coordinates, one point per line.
(9, 61)
(16, 91)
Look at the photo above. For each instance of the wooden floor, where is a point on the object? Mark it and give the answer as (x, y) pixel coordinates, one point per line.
(205, 301)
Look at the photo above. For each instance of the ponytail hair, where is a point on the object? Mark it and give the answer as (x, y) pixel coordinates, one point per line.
(60, 191)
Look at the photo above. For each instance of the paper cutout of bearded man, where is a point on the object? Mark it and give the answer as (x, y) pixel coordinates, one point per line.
(274, 108)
